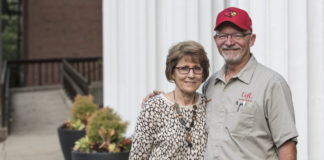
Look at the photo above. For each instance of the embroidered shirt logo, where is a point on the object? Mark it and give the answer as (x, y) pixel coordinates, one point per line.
(246, 97)
(230, 13)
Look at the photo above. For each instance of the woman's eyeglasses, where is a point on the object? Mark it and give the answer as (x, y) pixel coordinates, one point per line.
(186, 70)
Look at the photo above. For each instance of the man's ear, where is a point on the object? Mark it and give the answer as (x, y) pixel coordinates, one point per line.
(215, 38)
(252, 40)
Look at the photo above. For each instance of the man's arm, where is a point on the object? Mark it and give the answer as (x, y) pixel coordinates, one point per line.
(288, 151)
(281, 118)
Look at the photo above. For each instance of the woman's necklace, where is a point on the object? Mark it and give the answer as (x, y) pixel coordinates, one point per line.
(187, 126)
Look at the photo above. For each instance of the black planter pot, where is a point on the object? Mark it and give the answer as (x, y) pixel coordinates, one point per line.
(100, 156)
(67, 138)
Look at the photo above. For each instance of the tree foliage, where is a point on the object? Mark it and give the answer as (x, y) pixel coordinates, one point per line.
(9, 29)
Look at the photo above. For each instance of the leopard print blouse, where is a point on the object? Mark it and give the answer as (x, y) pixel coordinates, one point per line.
(159, 135)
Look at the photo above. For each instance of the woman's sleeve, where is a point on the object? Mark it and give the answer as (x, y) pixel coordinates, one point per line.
(144, 133)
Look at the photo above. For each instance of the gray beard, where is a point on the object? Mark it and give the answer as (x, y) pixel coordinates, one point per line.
(235, 59)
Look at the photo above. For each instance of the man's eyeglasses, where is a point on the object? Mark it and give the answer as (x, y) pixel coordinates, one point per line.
(186, 70)
(234, 36)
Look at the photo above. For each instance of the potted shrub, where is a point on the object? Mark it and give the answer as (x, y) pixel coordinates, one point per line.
(104, 138)
(74, 129)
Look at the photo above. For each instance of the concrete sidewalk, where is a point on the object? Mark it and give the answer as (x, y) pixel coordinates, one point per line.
(37, 113)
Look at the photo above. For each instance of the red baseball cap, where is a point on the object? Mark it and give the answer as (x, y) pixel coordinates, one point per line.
(236, 16)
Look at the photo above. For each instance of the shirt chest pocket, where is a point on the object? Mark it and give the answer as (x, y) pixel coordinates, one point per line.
(240, 122)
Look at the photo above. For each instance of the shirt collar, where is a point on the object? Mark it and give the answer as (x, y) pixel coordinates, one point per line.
(245, 75)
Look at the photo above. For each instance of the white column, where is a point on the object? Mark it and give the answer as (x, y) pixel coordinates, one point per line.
(231, 3)
(297, 69)
(151, 45)
(141, 56)
(260, 20)
(177, 27)
(216, 59)
(136, 59)
(165, 16)
(192, 20)
(124, 48)
(278, 35)
(244, 4)
(110, 52)
(206, 24)
(315, 79)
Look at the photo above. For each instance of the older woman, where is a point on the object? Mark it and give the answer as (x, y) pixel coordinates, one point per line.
(173, 125)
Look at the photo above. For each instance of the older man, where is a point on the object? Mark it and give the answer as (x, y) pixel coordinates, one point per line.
(250, 113)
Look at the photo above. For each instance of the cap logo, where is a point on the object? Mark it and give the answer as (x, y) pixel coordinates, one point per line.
(230, 13)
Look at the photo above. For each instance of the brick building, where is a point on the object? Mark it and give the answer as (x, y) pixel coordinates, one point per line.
(59, 29)
(62, 28)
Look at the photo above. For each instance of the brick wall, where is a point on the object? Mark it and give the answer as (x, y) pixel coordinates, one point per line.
(62, 28)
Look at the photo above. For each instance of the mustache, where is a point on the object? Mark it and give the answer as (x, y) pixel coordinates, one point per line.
(230, 48)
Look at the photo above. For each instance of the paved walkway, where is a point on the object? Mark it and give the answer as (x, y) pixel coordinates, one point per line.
(37, 113)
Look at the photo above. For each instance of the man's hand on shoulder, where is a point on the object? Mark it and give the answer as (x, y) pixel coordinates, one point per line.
(155, 92)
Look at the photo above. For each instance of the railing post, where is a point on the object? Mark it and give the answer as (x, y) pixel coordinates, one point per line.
(3, 116)
(1, 107)
(40, 74)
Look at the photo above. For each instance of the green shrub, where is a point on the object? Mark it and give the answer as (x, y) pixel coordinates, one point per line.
(82, 108)
(74, 125)
(82, 145)
(106, 129)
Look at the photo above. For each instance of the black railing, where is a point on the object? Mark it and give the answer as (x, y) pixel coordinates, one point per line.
(38, 72)
(35, 72)
(73, 82)
(89, 68)
(4, 100)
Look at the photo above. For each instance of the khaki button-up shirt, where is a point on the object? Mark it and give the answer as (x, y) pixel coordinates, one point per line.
(249, 117)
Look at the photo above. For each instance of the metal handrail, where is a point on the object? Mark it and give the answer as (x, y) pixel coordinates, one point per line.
(73, 82)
